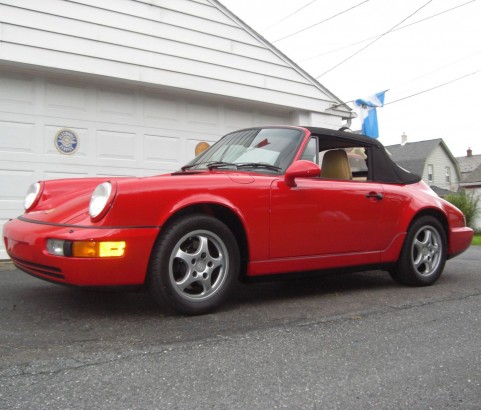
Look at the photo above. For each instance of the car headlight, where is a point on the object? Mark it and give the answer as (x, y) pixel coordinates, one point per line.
(33, 196)
(100, 201)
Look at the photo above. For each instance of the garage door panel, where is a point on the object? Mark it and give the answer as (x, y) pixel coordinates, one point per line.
(203, 116)
(51, 150)
(119, 149)
(158, 111)
(15, 205)
(17, 137)
(116, 172)
(116, 103)
(237, 118)
(161, 149)
(17, 92)
(61, 175)
(63, 96)
(14, 183)
(270, 118)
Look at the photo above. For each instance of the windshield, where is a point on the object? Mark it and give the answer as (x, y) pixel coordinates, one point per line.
(261, 150)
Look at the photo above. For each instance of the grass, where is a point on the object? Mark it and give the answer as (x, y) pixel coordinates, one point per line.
(476, 240)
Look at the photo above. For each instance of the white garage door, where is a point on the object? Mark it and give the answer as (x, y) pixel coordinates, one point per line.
(119, 130)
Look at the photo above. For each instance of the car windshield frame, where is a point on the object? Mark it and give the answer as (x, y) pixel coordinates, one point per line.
(262, 150)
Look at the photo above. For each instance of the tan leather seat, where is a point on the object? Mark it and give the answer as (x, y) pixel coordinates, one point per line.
(335, 165)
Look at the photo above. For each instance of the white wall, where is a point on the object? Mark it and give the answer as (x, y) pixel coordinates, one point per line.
(440, 160)
(188, 44)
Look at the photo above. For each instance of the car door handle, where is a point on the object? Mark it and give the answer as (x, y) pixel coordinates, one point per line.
(376, 195)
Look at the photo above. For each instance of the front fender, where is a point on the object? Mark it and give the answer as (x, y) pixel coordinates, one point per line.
(202, 199)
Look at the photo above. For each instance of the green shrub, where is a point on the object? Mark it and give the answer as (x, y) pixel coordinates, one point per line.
(468, 203)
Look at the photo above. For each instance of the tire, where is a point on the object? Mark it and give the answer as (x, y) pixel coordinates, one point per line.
(423, 255)
(194, 265)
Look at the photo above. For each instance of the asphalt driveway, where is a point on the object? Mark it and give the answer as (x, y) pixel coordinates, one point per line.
(340, 342)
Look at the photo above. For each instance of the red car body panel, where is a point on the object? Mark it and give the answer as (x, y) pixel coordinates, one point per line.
(316, 224)
(28, 252)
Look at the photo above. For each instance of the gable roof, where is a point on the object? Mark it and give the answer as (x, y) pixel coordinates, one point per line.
(467, 165)
(412, 155)
(474, 176)
(184, 45)
(336, 104)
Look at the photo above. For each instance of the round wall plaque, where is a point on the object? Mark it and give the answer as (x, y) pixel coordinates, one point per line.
(66, 141)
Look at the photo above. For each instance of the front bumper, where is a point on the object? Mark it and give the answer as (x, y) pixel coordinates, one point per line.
(26, 245)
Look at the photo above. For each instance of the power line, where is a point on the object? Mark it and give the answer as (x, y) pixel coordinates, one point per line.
(290, 15)
(320, 22)
(392, 31)
(376, 39)
(433, 88)
(441, 67)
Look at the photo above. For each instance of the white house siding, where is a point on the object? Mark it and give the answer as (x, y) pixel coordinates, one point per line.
(440, 160)
(140, 83)
(196, 45)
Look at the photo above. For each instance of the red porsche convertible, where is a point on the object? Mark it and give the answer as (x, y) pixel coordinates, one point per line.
(261, 201)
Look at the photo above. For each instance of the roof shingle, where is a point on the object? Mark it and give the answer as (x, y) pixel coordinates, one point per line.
(412, 155)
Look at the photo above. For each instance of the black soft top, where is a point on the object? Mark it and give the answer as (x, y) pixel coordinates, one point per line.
(382, 167)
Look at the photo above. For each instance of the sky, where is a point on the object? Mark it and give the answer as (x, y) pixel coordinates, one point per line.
(426, 53)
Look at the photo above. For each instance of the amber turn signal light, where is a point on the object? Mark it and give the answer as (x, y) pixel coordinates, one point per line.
(93, 249)
(86, 249)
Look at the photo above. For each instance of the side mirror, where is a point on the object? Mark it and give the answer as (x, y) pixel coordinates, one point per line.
(301, 169)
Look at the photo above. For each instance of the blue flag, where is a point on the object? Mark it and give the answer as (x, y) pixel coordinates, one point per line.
(366, 110)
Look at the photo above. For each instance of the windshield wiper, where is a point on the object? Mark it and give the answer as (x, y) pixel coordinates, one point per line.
(258, 165)
(220, 164)
(185, 167)
(209, 165)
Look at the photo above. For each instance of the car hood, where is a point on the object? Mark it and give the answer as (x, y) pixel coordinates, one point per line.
(136, 201)
(64, 200)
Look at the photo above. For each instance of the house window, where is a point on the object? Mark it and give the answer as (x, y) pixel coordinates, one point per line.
(430, 173)
(448, 175)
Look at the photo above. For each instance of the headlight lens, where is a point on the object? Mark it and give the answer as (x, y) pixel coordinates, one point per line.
(55, 247)
(100, 200)
(33, 195)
